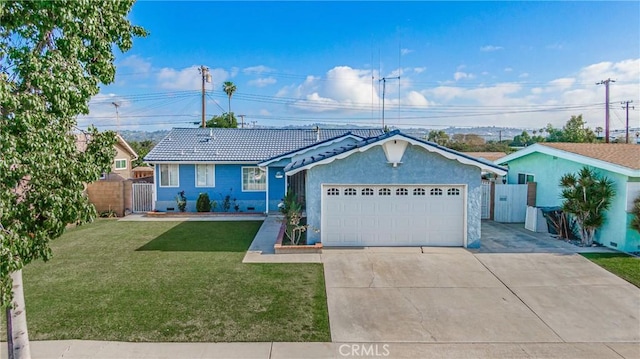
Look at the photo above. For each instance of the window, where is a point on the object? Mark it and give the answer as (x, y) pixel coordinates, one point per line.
(253, 179)
(524, 178)
(453, 192)
(367, 192)
(402, 192)
(333, 192)
(350, 192)
(205, 175)
(419, 192)
(436, 192)
(384, 192)
(169, 176)
(121, 164)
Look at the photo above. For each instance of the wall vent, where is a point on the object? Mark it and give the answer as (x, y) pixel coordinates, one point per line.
(614, 244)
(171, 209)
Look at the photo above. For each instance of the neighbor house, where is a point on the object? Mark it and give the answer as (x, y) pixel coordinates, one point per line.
(112, 193)
(360, 187)
(546, 163)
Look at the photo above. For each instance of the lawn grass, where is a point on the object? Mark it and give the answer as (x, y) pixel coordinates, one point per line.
(171, 282)
(620, 264)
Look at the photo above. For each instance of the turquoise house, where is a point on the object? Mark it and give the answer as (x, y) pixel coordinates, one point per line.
(546, 163)
(360, 187)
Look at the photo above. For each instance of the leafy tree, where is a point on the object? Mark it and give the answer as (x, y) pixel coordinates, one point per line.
(440, 137)
(229, 88)
(587, 197)
(573, 131)
(142, 148)
(524, 139)
(53, 56)
(223, 121)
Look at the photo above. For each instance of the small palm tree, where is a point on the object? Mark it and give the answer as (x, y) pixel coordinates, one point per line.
(229, 88)
(587, 197)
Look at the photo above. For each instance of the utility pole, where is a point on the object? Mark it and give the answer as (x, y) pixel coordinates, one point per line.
(116, 105)
(206, 77)
(384, 88)
(606, 119)
(499, 135)
(242, 121)
(626, 106)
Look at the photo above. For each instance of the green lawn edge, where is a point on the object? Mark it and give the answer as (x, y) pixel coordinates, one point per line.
(623, 265)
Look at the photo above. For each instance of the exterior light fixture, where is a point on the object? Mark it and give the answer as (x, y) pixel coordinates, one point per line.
(279, 174)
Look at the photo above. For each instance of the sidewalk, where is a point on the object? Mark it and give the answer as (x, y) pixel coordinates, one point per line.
(81, 349)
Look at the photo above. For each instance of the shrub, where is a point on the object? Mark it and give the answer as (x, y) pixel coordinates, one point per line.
(203, 204)
(181, 200)
(635, 220)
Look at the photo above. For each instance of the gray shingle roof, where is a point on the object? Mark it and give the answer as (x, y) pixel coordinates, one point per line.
(239, 144)
(339, 150)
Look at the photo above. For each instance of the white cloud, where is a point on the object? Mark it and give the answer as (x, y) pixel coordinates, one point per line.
(262, 82)
(136, 64)
(419, 70)
(490, 48)
(265, 112)
(188, 78)
(523, 75)
(459, 75)
(257, 69)
(405, 51)
(556, 46)
(508, 69)
(561, 84)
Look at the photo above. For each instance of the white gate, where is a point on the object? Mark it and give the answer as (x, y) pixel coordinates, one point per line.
(486, 200)
(510, 205)
(142, 197)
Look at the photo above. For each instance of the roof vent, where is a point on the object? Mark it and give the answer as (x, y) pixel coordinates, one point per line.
(182, 152)
(195, 149)
(317, 133)
(211, 134)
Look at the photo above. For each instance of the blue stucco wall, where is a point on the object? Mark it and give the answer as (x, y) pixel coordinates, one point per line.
(548, 170)
(276, 188)
(228, 181)
(418, 167)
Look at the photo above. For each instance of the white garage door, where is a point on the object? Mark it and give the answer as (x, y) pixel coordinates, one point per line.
(393, 215)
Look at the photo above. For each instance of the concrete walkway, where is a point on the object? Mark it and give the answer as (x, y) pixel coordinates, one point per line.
(78, 349)
(261, 249)
(514, 238)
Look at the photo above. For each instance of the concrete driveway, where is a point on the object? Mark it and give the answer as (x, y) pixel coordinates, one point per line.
(450, 295)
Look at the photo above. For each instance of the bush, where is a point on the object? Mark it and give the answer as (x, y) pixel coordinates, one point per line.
(181, 200)
(203, 204)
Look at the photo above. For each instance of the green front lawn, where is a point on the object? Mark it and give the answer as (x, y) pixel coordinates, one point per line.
(171, 281)
(620, 264)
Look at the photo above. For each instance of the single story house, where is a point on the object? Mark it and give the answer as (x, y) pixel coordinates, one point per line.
(361, 187)
(546, 163)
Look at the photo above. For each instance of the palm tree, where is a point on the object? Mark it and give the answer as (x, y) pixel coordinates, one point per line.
(587, 197)
(229, 88)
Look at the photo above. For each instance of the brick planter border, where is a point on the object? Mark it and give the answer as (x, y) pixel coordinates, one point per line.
(294, 249)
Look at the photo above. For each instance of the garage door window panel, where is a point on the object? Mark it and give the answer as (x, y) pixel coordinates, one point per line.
(436, 192)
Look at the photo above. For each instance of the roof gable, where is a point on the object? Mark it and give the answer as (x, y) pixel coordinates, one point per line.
(618, 158)
(236, 145)
(302, 150)
(364, 145)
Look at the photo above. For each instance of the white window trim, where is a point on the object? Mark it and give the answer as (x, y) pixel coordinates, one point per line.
(115, 164)
(242, 180)
(160, 175)
(213, 174)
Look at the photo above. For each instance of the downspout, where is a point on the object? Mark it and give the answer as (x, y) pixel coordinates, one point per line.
(266, 209)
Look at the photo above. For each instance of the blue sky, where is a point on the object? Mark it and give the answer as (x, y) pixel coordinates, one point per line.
(516, 64)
